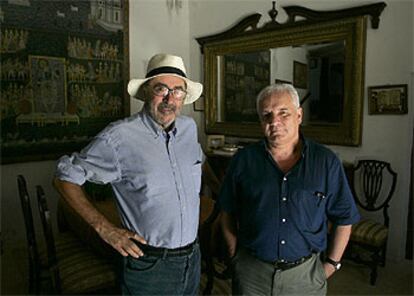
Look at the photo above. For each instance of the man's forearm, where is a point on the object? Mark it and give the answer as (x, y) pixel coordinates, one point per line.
(339, 242)
(74, 195)
(228, 224)
(337, 247)
(118, 238)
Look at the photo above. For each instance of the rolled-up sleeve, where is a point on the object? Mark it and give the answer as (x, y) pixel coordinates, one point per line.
(96, 163)
(341, 208)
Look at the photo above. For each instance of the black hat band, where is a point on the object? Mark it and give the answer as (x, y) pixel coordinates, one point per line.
(165, 70)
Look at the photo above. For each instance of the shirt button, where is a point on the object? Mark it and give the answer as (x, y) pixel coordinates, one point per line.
(284, 198)
(283, 220)
(282, 242)
(284, 179)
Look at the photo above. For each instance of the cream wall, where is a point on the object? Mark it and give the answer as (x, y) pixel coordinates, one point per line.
(12, 225)
(154, 28)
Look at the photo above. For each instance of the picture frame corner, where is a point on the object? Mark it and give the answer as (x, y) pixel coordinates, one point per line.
(198, 105)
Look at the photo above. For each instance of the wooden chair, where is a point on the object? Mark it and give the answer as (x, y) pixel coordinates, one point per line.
(75, 269)
(35, 266)
(373, 183)
(212, 245)
(207, 217)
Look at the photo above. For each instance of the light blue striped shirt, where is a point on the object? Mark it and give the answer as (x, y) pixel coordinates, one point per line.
(156, 182)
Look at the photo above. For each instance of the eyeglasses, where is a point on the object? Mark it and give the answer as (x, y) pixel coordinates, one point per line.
(164, 91)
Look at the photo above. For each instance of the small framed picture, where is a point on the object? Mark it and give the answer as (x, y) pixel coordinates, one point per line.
(199, 104)
(313, 63)
(278, 81)
(300, 75)
(388, 99)
(215, 141)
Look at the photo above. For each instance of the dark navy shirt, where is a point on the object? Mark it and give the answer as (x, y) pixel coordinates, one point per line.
(284, 216)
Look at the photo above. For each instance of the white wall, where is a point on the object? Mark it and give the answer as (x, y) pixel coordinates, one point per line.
(154, 29)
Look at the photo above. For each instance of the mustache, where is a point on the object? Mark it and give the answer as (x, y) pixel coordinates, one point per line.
(165, 105)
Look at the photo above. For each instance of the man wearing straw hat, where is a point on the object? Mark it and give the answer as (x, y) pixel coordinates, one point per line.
(153, 162)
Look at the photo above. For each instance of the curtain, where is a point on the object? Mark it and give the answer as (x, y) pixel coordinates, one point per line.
(409, 243)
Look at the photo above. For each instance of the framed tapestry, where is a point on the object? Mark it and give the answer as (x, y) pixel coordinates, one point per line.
(65, 68)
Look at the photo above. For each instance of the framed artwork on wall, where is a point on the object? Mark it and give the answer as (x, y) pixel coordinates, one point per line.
(282, 81)
(65, 67)
(388, 99)
(215, 141)
(199, 104)
(300, 75)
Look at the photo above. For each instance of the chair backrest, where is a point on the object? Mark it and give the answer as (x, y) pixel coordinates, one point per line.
(49, 237)
(373, 185)
(33, 253)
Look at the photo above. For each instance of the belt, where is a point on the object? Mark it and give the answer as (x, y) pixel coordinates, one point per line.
(165, 252)
(284, 265)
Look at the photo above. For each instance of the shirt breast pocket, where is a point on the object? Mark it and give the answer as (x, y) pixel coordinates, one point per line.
(311, 206)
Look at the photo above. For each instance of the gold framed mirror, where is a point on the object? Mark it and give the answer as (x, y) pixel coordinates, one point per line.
(323, 56)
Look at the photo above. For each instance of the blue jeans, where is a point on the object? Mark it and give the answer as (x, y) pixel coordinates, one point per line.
(150, 275)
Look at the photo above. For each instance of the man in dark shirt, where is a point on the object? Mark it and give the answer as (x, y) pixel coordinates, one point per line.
(277, 198)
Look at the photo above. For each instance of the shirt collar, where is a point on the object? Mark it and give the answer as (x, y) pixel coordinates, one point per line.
(263, 143)
(153, 126)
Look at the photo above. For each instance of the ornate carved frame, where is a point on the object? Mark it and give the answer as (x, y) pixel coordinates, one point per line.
(317, 26)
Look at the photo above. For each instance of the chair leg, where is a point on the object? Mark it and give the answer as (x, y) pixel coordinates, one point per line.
(34, 281)
(376, 260)
(374, 275)
(208, 258)
(31, 284)
(383, 253)
(210, 278)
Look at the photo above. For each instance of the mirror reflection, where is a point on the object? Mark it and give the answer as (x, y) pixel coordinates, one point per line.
(316, 70)
(322, 55)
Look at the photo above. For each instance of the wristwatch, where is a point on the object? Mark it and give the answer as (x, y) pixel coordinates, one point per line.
(336, 264)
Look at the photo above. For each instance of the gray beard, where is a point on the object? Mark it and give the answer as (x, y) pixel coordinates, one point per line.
(157, 119)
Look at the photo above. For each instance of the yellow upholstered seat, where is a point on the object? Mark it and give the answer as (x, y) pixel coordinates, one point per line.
(369, 232)
(83, 272)
(74, 268)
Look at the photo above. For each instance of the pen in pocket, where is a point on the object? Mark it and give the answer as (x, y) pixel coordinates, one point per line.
(320, 195)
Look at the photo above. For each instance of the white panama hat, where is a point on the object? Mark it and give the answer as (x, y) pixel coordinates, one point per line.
(166, 64)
